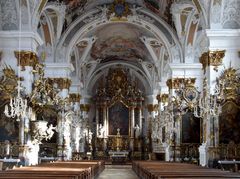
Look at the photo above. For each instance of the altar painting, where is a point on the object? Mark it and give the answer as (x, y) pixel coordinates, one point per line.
(190, 128)
(8, 128)
(229, 124)
(118, 118)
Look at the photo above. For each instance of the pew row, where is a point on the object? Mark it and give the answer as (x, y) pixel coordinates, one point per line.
(59, 170)
(157, 170)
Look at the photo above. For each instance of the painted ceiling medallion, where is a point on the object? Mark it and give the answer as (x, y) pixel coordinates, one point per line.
(119, 10)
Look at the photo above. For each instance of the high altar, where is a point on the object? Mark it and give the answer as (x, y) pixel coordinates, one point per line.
(119, 113)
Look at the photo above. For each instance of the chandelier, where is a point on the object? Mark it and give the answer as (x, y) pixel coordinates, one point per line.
(208, 104)
(18, 106)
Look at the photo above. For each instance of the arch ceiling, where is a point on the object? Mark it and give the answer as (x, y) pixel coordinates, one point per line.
(141, 36)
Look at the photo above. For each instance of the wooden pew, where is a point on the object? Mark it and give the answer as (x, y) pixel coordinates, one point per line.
(60, 170)
(75, 173)
(155, 170)
(96, 166)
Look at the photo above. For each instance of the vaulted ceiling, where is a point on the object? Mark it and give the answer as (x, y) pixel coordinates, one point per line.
(137, 35)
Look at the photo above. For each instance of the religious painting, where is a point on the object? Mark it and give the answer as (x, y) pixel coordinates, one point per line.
(118, 118)
(190, 128)
(120, 41)
(8, 128)
(229, 124)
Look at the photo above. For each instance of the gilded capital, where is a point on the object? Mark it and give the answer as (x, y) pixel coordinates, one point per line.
(152, 107)
(26, 58)
(162, 98)
(74, 97)
(212, 58)
(175, 83)
(85, 107)
(63, 83)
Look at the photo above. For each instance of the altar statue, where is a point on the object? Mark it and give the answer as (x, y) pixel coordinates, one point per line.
(137, 131)
(118, 132)
(101, 130)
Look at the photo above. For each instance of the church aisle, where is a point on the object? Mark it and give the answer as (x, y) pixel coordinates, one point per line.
(118, 172)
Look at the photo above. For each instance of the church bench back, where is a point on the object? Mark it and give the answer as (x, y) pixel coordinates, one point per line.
(155, 170)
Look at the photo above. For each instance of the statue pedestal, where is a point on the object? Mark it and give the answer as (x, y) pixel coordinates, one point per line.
(203, 155)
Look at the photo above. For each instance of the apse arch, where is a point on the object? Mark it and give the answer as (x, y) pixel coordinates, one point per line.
(97, 74)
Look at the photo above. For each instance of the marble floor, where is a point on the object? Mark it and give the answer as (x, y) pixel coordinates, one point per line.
(118, 172)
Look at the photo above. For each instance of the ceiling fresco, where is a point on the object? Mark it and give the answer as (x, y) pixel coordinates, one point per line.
(119, 40)
(157, 6)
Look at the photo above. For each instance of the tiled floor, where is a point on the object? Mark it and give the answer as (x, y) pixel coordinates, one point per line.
(118, 172)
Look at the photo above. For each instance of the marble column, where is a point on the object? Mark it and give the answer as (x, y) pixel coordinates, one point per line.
(97, 121)
(178, 136)
(140, 120)
(64, 148)
(216, 131)
(105, 123)
(60, 136)
(26, 60)
(132, 125)
(75, 127)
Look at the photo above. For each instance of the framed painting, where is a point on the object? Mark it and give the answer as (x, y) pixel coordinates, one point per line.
(118, 118)
(190, 132)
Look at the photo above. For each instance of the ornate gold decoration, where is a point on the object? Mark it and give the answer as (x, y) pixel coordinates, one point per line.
(82, 44)
(8, 83)
(119, 88)
(74, 97)
(229, 81)
(152, 107)
(163, 98)
(119, 11)
(63, 83)
(175, 83)
(213, 58)
(44, 93)
(85, 107)
(26, 58)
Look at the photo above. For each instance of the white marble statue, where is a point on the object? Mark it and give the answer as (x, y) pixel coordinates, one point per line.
(101, 130)
(137, 131)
